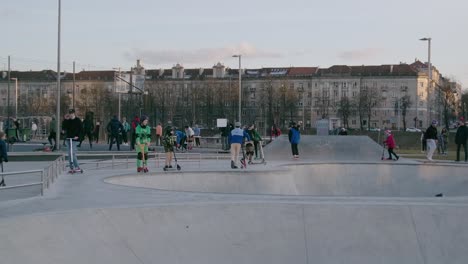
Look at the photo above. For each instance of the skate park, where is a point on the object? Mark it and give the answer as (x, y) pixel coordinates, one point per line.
(339, 203)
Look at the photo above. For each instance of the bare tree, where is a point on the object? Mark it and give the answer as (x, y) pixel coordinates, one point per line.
(404, 104)
(367, 101)
(346, 109)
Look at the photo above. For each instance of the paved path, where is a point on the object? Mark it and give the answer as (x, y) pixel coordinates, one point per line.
(82, 219)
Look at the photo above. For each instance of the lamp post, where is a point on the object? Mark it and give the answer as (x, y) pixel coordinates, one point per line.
(16, 96)
(57, 128)
(429, 72)
(118, 90)
(240, 86)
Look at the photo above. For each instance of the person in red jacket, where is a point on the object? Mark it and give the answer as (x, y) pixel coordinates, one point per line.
(390, 142)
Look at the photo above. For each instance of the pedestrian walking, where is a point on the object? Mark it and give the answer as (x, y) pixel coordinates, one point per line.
(443, 141)
(236, 138)
(3, 154)
(294, 136)
(461, 138)
(431, 139)
(114, 128)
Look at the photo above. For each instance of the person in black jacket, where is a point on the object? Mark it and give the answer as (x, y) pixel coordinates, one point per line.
(73, 127)
(431, 139)
(114, 128)
(461, 138)
(3, 154)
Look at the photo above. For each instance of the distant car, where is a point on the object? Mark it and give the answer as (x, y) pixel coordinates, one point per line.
(375, 129)
(413, 129)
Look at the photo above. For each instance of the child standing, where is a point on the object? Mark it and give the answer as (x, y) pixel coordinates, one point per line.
(142, 141)
(390, 142)
(168, 143)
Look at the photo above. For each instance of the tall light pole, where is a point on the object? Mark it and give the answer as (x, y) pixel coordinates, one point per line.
(118, 89)
(240, 86)
(16, 96)
(57, 128)
(429, 72)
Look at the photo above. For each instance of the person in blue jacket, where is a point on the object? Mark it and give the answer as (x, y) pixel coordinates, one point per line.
(180, 140)
(294, 138)
(236, 138)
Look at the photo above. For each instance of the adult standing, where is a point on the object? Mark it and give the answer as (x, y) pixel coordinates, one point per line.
(196, 131)
(53, 133)
(96, 131)
(294, 138)
(73, 127)
(135, 123)
(431, 139)
(126, 129)
(255, 136)
(114, 128)
(33, 130)
(159, 134)
(88, 129)
(224, 137)
(460, 139)
(236, 138)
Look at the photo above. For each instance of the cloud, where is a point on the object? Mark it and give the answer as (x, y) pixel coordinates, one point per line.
(360, 54)
(198, 56)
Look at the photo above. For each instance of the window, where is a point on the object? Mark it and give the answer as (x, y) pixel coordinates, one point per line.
(421, 84)
(309, 85)
(335, 93)
(353, 122)
(354, 93)
(421, 103)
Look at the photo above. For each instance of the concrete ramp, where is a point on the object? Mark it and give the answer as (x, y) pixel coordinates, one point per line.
(378, 180)
(248, 233)
(326, 148)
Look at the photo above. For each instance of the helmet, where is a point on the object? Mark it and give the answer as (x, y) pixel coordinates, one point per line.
(434, 122)
(388, 131)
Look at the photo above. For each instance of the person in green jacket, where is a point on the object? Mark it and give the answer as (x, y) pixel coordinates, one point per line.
(143, 140)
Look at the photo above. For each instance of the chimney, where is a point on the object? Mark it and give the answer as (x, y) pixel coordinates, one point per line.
(391, 68)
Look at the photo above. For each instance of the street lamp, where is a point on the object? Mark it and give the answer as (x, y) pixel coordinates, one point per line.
(57, 128)
(429, 70)
(240, 85)
(16, 96)
(118, 90)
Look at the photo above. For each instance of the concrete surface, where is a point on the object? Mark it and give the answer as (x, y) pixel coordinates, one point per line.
(82, 219)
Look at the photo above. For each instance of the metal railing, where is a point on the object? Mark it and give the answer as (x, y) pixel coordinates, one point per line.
(47, 175)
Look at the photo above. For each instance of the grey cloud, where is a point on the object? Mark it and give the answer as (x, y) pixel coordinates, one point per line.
(196, 56)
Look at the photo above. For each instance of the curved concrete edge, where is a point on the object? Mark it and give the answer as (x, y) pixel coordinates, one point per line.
(240, 233)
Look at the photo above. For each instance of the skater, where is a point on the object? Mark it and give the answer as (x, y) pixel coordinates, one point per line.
(431, 139)
(168, 143)
(461, 139)
(249, 150)
(390, 143)
(3, 154)
(236, 138)
(73, 128)
(114, 128)
(88, 128)
(53, 133)
(142, 142)
(196, 131)
(294, 138)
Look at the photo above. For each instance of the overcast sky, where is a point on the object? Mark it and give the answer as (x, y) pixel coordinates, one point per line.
(102, 34)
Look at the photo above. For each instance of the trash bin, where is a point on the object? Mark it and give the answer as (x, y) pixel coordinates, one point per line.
(26, 134)
(11, 133)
